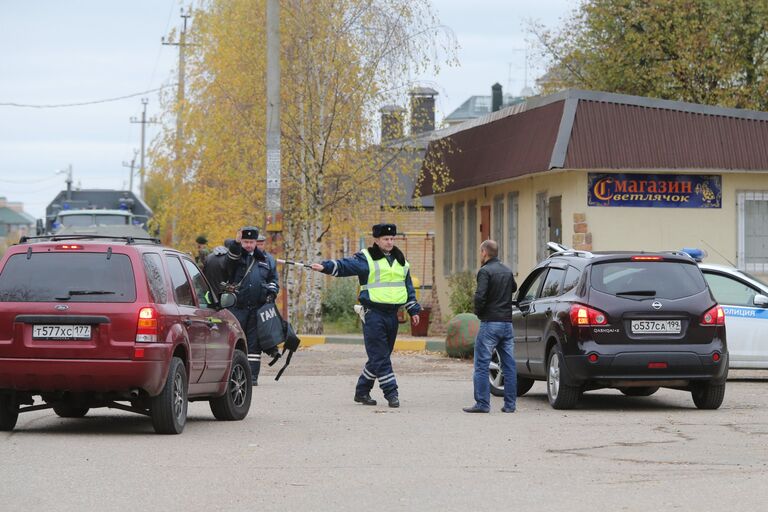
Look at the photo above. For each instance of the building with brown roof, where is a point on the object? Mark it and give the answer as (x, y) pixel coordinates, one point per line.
(601, 171)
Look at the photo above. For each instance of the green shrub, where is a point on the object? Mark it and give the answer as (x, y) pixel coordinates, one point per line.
(462, 295)
(339, 297)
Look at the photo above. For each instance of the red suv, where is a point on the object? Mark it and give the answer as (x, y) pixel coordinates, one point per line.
(125, 323)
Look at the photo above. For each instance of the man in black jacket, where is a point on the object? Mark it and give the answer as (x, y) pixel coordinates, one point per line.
(493, 306)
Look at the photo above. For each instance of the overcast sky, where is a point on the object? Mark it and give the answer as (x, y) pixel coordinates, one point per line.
(55, 52)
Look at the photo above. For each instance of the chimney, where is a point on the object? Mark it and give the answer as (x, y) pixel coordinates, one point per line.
(391, 123)
(422, 110)
(496, 97)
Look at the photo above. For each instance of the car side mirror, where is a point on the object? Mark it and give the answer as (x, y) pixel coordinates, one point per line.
(227, 300)
(760, 300)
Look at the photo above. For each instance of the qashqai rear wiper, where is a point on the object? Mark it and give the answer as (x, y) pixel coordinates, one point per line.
(644, 293)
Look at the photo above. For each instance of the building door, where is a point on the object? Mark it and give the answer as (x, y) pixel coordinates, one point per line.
(485, 222)
(555, 220)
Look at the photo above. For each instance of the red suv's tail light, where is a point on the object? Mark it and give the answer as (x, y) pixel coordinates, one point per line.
(69, 247)
(146, 326)
(583, 316)
(715, 316)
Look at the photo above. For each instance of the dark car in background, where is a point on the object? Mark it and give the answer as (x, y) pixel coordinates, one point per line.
(633, 321)
(115, 322)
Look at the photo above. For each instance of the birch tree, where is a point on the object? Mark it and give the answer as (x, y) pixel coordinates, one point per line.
(340, 62)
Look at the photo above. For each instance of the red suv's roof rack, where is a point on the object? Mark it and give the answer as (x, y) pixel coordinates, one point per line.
(116, 238)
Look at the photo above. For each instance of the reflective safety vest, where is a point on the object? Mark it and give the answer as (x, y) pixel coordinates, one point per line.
(386, 283)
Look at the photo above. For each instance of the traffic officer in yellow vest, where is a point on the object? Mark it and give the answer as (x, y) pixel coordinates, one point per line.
(385, 287)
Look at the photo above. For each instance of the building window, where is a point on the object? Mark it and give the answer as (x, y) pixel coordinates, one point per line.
(497, 225)
(472, 246)
(753, 232)
(448, 239)
(460, 235)
(512, 216)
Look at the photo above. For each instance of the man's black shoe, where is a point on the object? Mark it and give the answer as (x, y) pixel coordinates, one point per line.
(394, 402)
(475, 408)
(365, 399)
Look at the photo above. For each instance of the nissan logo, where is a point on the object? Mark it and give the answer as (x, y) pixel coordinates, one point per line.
(656, 305)
(61, 307)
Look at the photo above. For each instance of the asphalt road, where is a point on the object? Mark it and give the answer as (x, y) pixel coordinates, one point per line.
(307, 446)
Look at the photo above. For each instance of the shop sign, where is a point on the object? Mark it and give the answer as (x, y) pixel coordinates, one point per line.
(655, 190)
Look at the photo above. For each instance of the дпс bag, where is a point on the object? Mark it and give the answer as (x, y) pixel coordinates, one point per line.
(271, 330)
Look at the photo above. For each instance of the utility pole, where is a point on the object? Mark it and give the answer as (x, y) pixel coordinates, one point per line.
(68, 181)
(182, 44)
(132, 166)
(274, 217)
(144, 121)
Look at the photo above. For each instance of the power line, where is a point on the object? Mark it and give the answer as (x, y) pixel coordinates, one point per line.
(94, 102)
(28, 182)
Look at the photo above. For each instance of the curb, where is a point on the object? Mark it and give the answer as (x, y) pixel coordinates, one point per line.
(403, 343)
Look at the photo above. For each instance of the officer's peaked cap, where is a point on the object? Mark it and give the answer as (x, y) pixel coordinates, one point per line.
(384, 230)
(250, 233)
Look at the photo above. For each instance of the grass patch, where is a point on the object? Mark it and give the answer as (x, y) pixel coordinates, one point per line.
(343, 325)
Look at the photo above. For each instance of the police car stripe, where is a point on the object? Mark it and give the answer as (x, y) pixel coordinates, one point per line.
(745, 312)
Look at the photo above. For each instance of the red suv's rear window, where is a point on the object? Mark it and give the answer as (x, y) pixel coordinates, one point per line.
(68, 277)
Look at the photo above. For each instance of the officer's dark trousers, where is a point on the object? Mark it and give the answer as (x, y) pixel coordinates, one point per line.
(247, 319)
(379, 332)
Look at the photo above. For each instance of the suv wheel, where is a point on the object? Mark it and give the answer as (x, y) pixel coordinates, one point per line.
(169, 408)
(236, 401)
(70, 411)
(708, 395)
(9, 412)
(643, 391)
(561, 396)
(496, 378)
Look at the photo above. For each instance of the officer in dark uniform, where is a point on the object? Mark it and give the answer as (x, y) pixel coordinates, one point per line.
(385, 286)
(254, 278)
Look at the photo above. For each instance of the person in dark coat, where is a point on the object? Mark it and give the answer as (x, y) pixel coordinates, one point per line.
(254, 278)
(493, 306)
(202, 250)
(216, 267)
(385, 287)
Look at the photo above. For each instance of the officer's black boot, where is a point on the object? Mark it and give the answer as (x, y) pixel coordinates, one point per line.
(394, 401)
(365, 399)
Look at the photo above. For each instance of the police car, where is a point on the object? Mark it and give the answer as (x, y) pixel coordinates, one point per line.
(744, 299)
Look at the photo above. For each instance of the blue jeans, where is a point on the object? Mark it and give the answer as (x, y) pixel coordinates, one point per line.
(499, 336)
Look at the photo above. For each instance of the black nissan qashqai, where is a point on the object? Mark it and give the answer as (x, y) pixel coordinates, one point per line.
(632, 321)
